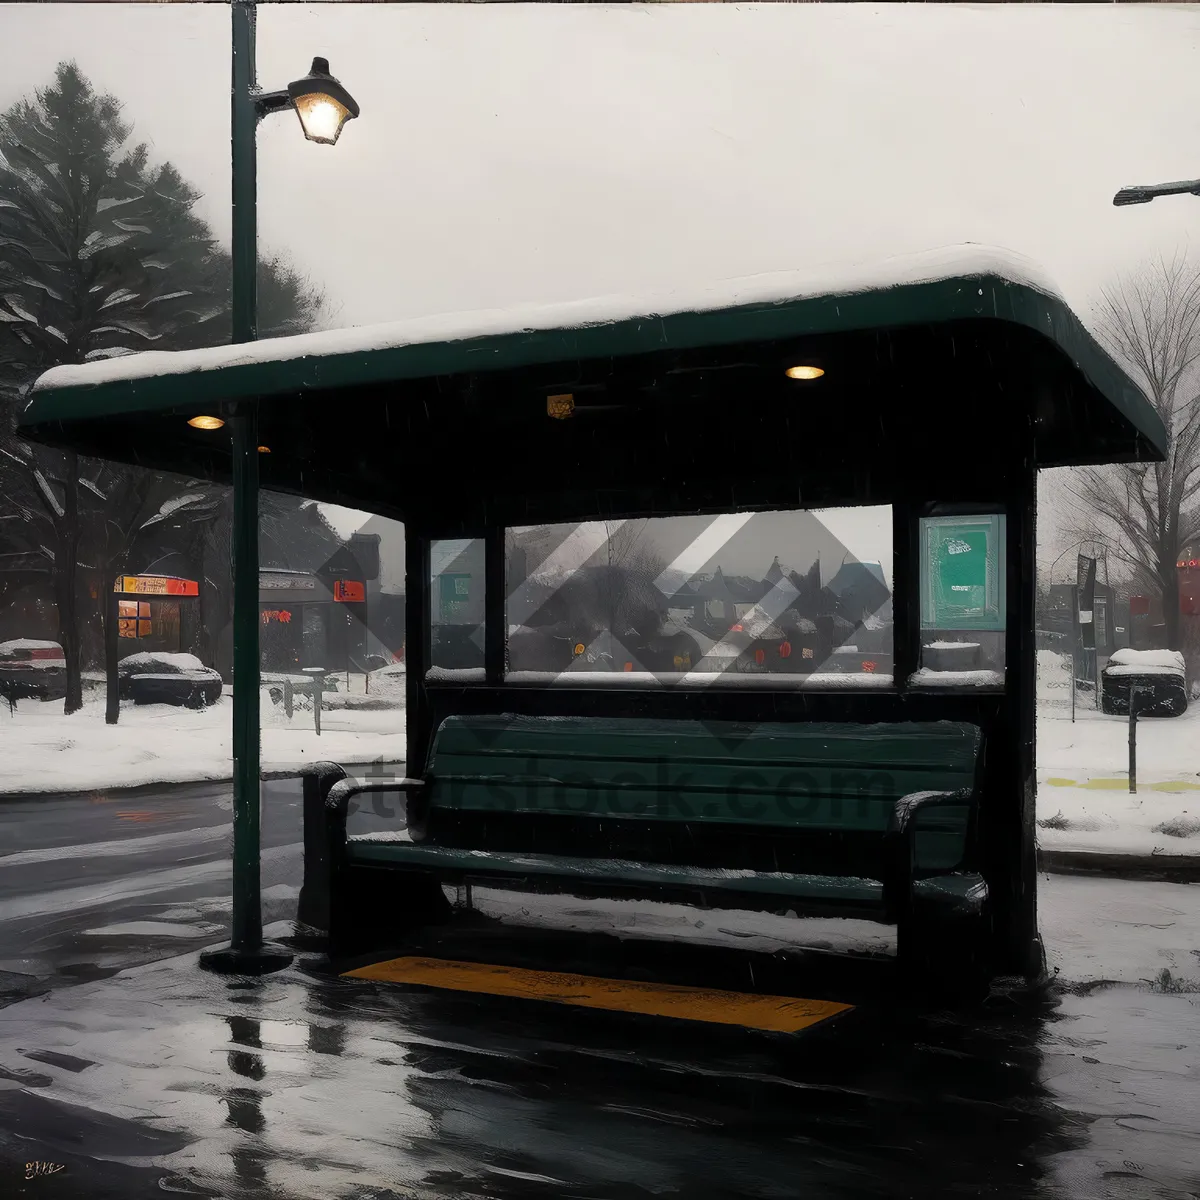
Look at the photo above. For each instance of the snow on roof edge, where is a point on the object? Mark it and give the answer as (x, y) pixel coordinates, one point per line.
(969, 259)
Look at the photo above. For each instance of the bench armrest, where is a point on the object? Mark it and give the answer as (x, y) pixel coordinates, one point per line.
(901, 841)
(341, 792)
(904, 815)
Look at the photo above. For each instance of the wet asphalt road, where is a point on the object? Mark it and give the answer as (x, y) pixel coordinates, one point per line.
(91, 884)
(307, 1086)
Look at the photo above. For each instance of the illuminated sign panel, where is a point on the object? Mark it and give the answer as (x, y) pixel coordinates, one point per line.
(156, 585)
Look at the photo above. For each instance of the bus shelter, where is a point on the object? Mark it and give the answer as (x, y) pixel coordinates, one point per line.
(940, 398)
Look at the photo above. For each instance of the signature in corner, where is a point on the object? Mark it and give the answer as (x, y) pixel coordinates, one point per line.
(34, 1169)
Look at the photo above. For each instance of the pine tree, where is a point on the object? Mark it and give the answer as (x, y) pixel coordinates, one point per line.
(101, 254)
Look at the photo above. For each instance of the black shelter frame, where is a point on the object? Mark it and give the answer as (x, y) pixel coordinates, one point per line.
(942, 397)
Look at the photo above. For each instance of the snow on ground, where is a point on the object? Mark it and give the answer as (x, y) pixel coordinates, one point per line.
(1120, 930)
(714, 927)
(1116, 930)
(1084, 803)
(41, 750)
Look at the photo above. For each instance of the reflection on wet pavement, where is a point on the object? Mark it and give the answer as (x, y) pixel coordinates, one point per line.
(304, 1085)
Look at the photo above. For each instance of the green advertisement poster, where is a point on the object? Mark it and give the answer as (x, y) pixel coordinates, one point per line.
(962, 572)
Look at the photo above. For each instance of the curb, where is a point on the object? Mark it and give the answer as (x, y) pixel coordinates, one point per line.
(1161, 868)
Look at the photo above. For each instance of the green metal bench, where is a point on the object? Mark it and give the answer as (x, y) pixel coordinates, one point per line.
(875, 821)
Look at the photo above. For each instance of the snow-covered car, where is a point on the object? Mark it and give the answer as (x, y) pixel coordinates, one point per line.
(1159, 675)
(148, 677)
(32, 669)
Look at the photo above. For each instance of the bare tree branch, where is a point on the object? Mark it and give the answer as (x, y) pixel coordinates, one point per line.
(1151, 322)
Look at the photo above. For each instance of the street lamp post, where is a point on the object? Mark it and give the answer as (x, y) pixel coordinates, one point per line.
(323, 107)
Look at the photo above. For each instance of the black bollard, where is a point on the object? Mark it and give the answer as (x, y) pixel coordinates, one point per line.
(313, 909)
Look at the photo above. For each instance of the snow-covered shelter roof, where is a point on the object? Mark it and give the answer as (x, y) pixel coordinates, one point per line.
(878, 331)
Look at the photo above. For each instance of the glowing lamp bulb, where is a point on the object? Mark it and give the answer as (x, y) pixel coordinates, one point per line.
(206, 422)
(321, 117)
(804, 372)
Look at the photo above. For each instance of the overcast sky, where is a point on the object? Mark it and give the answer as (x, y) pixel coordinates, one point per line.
(532, 153)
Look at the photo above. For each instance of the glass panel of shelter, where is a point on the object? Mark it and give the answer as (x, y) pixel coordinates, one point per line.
(772, 597)
(456, 603)
(681, 597)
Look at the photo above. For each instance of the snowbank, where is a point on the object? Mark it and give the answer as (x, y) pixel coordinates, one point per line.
(41, 750)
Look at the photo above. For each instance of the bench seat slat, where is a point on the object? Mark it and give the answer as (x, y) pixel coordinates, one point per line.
(362, 849)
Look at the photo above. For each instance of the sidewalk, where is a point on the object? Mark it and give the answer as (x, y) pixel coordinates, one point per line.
(1094, 821)
(303, 1087)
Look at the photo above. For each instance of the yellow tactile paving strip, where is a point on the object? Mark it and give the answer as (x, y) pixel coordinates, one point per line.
(776, 1014)
(1120, 784)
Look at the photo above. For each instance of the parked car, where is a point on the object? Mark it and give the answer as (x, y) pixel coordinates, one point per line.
(1159, 675)
(160, 678)
(32, 669)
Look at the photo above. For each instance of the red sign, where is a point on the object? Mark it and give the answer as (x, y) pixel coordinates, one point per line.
(276, 614)
(1139, 606)
(760, 656)
(156, 585)
(349, 591)
(785, 649)
(869, 666)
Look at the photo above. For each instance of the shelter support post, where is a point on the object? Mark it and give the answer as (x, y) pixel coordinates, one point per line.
(418, 729)
(495, 621)
(1013, 844)
(906, 586)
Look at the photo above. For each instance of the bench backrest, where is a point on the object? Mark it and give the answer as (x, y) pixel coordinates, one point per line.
(786, 777)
